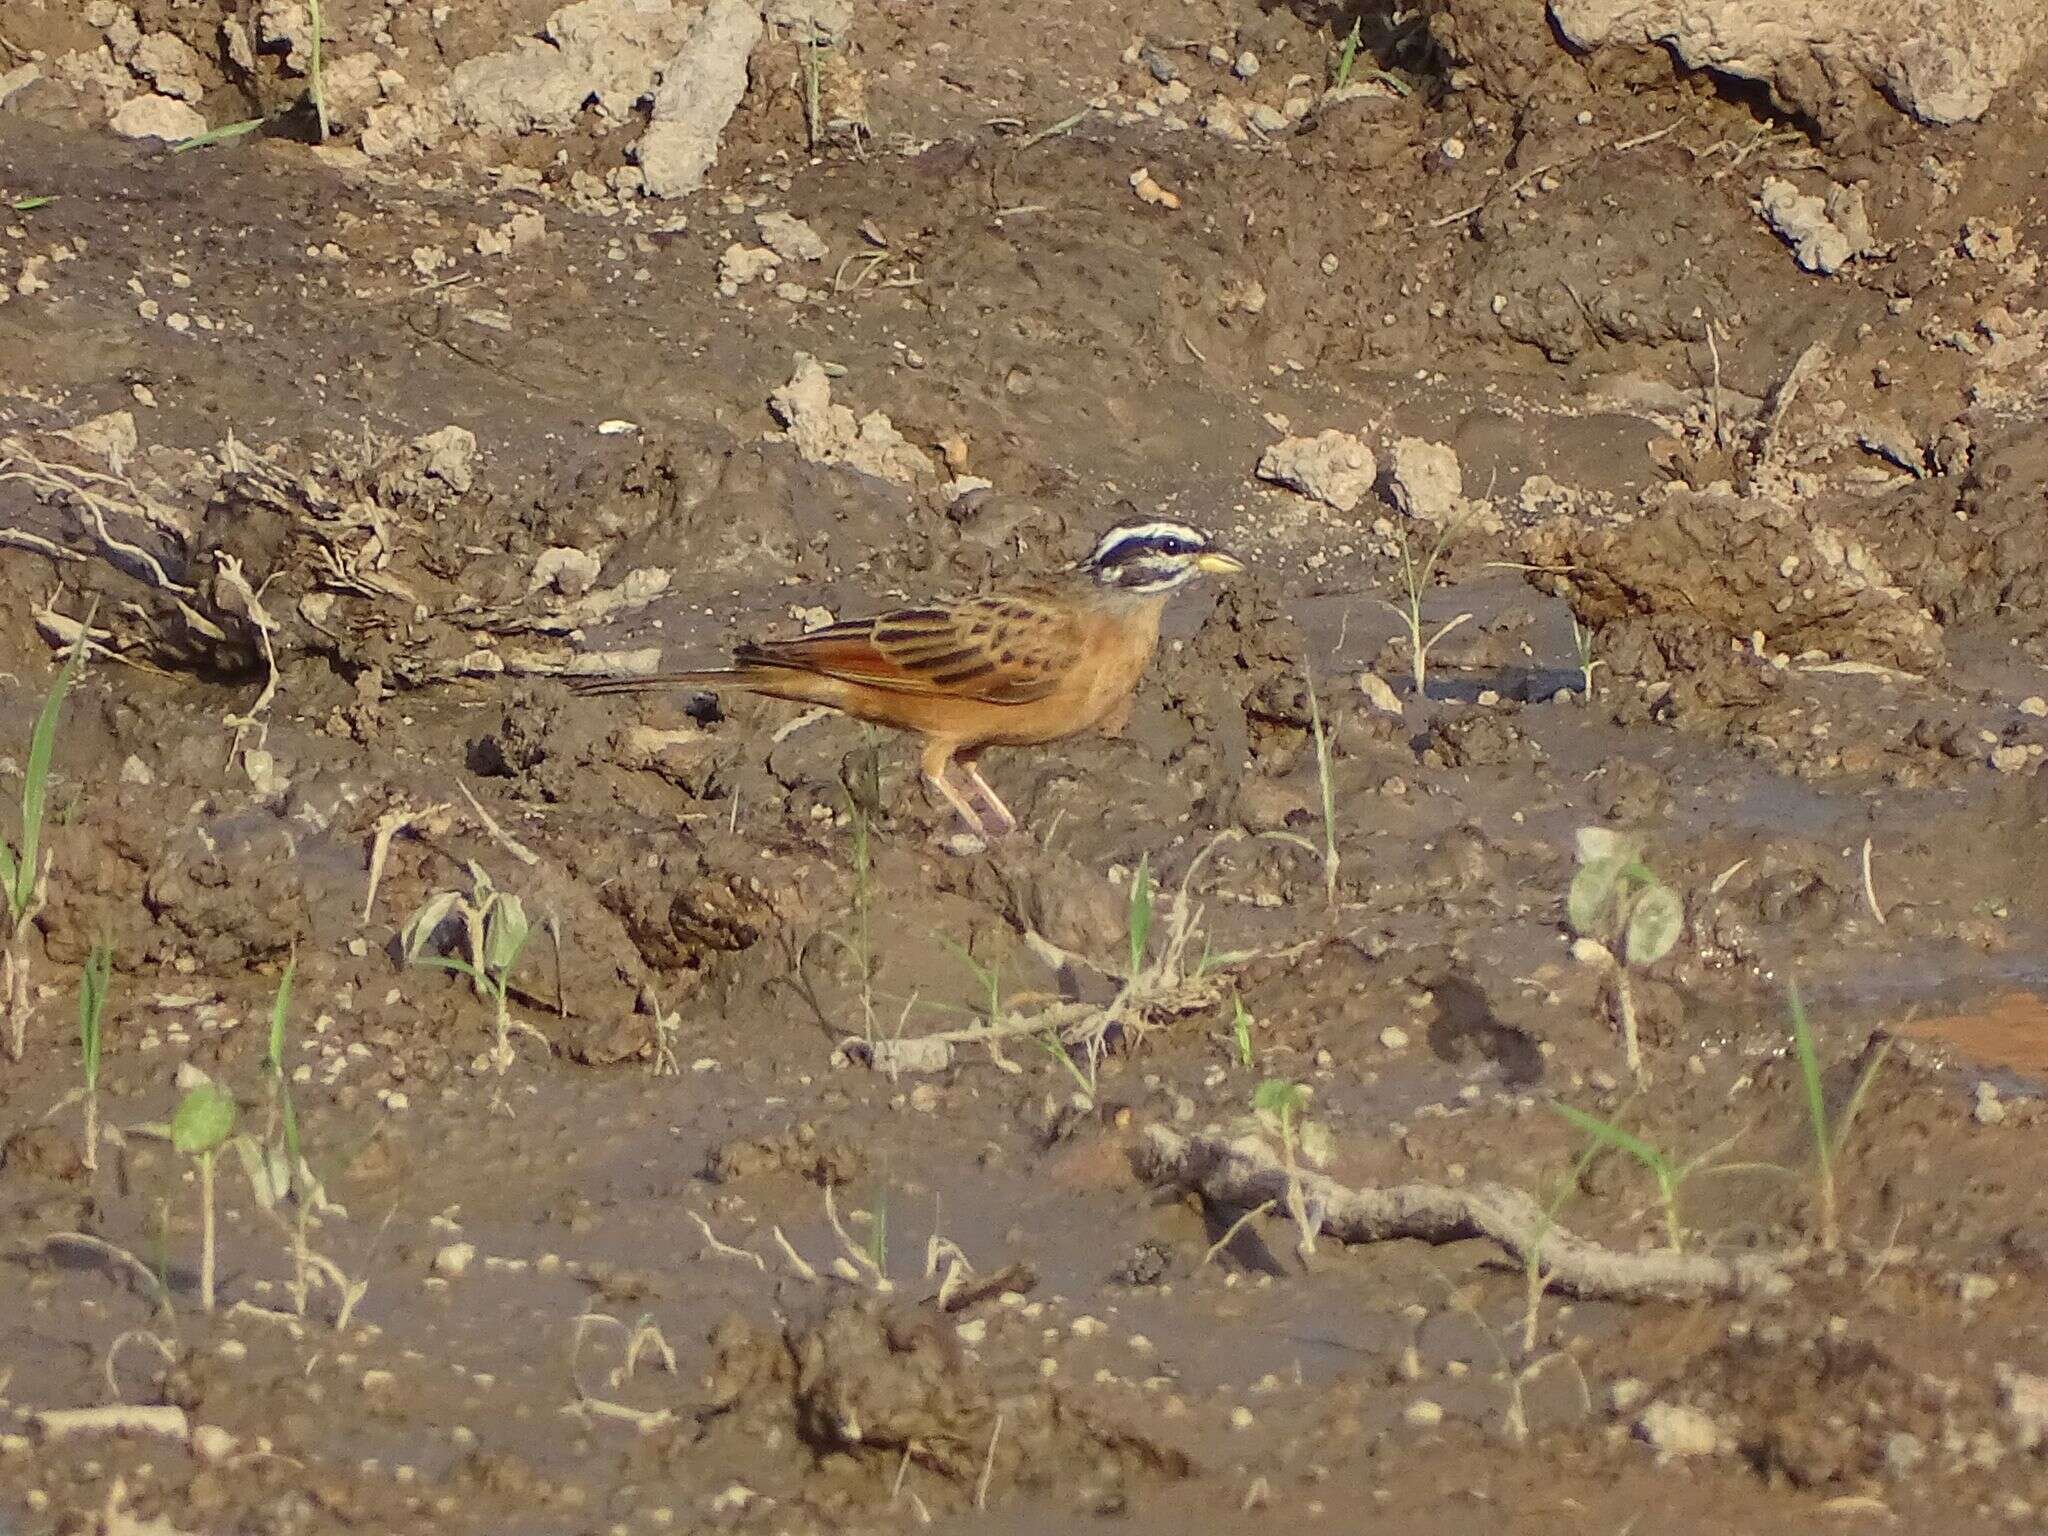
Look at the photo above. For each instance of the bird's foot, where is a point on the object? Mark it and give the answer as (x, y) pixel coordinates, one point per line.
(999, 819)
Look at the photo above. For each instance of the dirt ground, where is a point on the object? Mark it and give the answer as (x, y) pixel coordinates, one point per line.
(837, 1173)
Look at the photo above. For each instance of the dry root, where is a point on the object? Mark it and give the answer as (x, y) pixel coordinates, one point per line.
(1235, 1175)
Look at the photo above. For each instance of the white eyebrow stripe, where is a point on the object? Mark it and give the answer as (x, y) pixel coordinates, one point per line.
(1129, 532)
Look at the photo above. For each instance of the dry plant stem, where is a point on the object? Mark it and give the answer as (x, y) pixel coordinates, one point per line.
(206, 1232)
(1234, 1174)
(1625, 999)
(14, 989)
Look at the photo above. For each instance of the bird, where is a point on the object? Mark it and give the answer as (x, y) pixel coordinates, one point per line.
(1025, 664)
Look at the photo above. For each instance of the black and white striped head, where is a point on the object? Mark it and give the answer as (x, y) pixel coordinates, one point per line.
(1146, 557)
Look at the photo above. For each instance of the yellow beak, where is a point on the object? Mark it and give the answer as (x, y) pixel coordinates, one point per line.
(1216, 563)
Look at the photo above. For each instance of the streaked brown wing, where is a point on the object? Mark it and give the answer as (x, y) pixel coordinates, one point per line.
(1003, 649)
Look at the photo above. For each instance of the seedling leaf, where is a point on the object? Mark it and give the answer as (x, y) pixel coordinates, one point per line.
(205, 1119)
(1279, 1098)
(42, 742)
(219, 135)
(1140, 928)
(1596, 845)
(419, 933)
(1592, 895)
(1654, 923)
(508, 930)
(1608, 1134)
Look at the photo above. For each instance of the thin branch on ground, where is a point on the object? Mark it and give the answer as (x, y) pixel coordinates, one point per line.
(1236, 1174)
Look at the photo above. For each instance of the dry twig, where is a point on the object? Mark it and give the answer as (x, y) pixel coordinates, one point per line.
(1236, 1174)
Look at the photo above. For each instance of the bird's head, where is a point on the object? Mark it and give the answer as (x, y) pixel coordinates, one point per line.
(1152, 556)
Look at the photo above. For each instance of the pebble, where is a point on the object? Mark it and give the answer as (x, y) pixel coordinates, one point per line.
(1423, 1413)
(1676, 1430)
(2035, 706)
(1247, 65)
(212, 1443)
(1988, 1110)
(1394, 1038)
(455, 1259)
(1267, 119)
(1241, 1417)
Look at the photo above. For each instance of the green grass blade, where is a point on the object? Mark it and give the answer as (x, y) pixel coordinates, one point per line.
(220, 135)
(1809, 1075)
(280, 1007)
(1855, 1105)
(35, 787)
(93, 982)
(1608, 1134)
(30, 204)
(1140, 927)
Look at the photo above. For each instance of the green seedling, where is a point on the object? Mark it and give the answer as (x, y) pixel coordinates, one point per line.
(1582, 648)
(201, 1127)
(1538, 1278)
(1241, 1031)
(92, 1007)
(30, 204)
(1138, 924)
(1828, 1141)
(1619, 904)
(220, 135)
(1670, 1176)
(1346, 58)
(1326, 787)
(1415, 581)
(1280, 1112)
(25, 866)
(277, 1170)
(497, 927)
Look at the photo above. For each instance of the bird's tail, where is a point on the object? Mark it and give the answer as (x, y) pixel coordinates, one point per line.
(711, 678)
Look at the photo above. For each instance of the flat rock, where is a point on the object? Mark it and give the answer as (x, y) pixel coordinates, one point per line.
(1940, 60)
(1333, 467)
(701, 88)
(157, 117)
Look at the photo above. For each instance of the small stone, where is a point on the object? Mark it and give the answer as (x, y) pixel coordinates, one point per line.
(212, 1443)
(1394, 1038)
(1672, 1429)
(1241, 1417)
(1972, 1289)
(2010, 758)
(1425, 478)
(2035, 706)
(2023, 1397)
(1334, 467)
(455, 1259)
(1246, 66)
(1423, 1413)
(1267, 119)
(790, 237)
(1988, 1110)
(1903, 1453)
(1624, 1394)
(157, 117)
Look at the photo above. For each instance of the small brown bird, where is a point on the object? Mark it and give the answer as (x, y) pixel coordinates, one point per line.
(1030, 663)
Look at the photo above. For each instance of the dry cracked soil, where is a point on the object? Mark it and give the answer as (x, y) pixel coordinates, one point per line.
(809, 1168)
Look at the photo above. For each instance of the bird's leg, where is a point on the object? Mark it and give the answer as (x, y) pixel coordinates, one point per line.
(937, 766)
(1004, 822)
